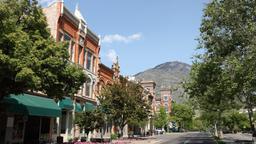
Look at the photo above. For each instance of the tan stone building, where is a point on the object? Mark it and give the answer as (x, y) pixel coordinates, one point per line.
(149, 87)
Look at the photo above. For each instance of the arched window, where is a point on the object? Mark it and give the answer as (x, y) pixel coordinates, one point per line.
(88, 87)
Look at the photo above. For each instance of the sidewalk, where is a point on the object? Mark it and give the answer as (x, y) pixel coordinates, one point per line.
(137, 140)
(237, 138)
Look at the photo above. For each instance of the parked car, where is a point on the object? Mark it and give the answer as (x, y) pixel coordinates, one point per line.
(159, 131)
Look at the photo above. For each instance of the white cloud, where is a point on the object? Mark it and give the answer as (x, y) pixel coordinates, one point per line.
(121, 38)
(45, 2)
(111, 55)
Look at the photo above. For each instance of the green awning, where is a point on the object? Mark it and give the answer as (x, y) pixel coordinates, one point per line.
(89, 106)
(78, 107)
(32, 105)
(66, 103)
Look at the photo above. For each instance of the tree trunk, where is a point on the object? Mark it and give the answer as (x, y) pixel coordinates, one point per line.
(215, 129)
(250, 114)
(121, 128)
(219, 126)
(87, 139)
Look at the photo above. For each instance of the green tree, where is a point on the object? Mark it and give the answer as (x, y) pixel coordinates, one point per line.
(235, 121)
(90, 120)
(228, 31)
(161, 118)
(123, 101)
(226, 70)
(30, 59)
(182, 114)
(211, 87)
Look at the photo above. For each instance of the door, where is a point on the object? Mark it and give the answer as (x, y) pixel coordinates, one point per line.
(3, 120)
(32, 130)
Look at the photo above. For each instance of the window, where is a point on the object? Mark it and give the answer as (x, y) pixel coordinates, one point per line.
(85, 56)
(84, 89)
(93, 65)
(45, 125)
(165, 98)
(92, 89)
(60, 37)
(80, 55)
(81, 40)
(67, 37)
(80, 92)
(88, 87)
(71, 45)
(72, 52)
(63, 121)
(89, 61)
(70, 123)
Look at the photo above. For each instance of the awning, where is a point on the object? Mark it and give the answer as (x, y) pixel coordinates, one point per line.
(66, 103)
(89, 106)
(78, 107)
(32, 105)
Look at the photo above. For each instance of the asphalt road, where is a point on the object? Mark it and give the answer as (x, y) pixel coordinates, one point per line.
(185, 138)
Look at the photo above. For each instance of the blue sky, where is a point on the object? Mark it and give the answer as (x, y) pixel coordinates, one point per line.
(143, 33)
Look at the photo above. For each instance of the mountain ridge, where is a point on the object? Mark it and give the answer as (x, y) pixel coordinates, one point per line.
(167, 75)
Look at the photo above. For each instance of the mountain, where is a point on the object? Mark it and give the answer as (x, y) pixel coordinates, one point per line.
(167, 75)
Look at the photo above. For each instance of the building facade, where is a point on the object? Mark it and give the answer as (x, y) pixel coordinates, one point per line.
(84, 48)
(149, 87)
(166, 99)
(32, 117)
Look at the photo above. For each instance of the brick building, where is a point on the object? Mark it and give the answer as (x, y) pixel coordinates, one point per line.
(166, 99)
(84, 48)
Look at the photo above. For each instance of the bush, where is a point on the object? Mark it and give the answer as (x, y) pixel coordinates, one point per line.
(113, 136)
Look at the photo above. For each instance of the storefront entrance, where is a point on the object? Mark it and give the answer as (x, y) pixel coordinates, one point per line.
(32, 130)
(3, 121)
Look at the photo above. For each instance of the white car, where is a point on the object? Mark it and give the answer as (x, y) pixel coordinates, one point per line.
(159, 131)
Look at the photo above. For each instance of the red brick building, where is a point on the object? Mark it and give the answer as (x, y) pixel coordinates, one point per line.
(84, 48)
(166, 99)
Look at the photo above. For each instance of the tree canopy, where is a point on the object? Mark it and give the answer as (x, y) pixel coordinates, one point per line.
(30, 59)
(90, 120)
(182, 114)
(225, 72)
(123, 101)
(161, 118)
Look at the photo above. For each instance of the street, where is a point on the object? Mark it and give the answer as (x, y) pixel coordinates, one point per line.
(180, 138)
(237, 138)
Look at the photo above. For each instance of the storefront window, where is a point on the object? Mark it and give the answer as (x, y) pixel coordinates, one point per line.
(63, 122)
(18, 127)
(45, 125)
(70, 123)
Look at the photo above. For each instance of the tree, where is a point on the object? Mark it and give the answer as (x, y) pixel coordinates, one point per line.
(30, 59)
(161, 119)
(182, 114)
(90, 120)
(235, 121)
(123, 101)
(212, 88)
(228, 30)
(226, 69)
